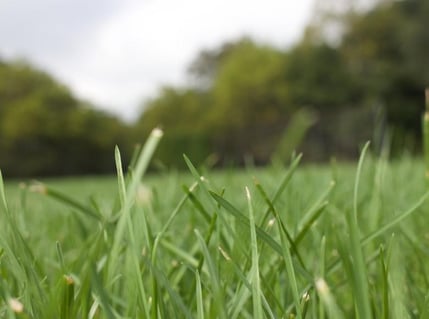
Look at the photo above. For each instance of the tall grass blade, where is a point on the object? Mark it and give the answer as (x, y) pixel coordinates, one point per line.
(400, 217)
(322, 273)
(59, 196)
(313, 214)
(426, 135)
(2, 192)
(120, 176)
(214, 278)
(284, 229)
(384, 286)
(328, 300)
(291, 274)
(254, 272)
(101, 293)
(142, 163)
(199, 296)
(360, 278)
(264, 236)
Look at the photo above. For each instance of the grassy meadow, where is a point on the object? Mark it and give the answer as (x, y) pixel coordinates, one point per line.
(296, 241)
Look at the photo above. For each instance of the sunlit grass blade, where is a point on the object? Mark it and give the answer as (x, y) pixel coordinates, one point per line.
(135, 247)
(199, 296)
(313, 214)
(243, 219)
(254, 272)
(284, 229)
(291, 274)
(260, 233)
(65, 199)
(2, 192)
(197, 203)
(359, 270)
(285, 181)
(201, 181)
(179, 306)
(322, 273)
(287, 257)
(120, 175)
(219, 302)
(124, 221)
(282, 186)
(101, 293)
(395, 221)
(173, 215)
(385, 286)
(67, 303)
(426, 135)
(328, 300)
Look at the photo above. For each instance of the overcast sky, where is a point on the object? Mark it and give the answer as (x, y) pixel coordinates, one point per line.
(116, 53)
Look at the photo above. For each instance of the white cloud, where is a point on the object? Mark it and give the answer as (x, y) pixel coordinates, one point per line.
(121, 54)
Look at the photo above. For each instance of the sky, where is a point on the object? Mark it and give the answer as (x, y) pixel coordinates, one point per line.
(118, 53)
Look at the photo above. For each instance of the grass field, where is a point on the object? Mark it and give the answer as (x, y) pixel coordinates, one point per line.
(303, 241)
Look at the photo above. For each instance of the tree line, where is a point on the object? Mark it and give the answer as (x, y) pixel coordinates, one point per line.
(245, 100)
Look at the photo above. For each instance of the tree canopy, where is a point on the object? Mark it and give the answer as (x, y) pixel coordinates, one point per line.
(334, 89)
(45, 130)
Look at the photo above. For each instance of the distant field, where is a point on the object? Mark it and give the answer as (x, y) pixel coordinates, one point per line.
(316, 249)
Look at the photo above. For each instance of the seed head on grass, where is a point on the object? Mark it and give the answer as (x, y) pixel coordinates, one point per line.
(38, 188)
(16, 305)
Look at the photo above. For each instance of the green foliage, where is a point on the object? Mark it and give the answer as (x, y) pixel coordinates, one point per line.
(388, 48)
(361, 80)
(181, 114)
(367, 84)
(47, 131)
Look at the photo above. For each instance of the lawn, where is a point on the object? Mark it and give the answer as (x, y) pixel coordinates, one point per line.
(294, 241)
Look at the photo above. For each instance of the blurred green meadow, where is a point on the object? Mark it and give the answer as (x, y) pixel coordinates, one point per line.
(311, 241)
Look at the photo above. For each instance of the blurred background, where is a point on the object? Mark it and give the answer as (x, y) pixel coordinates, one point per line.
(230, 82)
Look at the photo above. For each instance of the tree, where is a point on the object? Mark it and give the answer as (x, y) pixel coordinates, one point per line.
(45, 130)
(249, 102)
(387, 48)
(181, 114)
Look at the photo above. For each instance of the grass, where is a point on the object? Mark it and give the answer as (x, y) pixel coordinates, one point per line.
(339, 241)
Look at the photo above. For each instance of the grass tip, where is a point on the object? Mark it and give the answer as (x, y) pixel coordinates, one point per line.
(224, 254)
(322, 286)
(157, 132)
(16, 305)
(248, 193)
(69, 280)
(144, 195)
(38, 188)
(193, 186)
(306, 296)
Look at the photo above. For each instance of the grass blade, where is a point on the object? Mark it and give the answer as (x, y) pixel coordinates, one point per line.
(199, 295)
(2, 192)
(214, 276)
(59, 196)
(260, 232)
(254, 272)
(313, 214)
(396, 220)
(360, 278)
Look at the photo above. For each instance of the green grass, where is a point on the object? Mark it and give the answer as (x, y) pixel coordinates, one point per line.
(304, 241)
